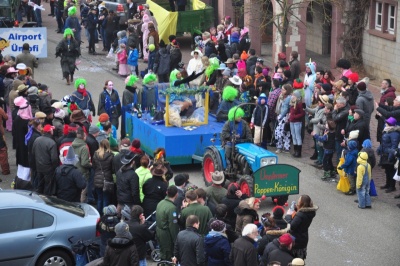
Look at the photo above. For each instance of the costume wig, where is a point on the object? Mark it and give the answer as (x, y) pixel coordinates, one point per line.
(229, 94)
(150, 77)
(79, 82)
(235, 112)
(67, 32)
(131, 80)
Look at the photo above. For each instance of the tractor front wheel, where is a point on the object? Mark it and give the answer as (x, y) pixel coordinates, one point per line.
(211, 163)
(246, 185)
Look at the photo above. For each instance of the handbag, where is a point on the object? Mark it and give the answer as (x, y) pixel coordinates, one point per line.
(372, 189)
(108, 185)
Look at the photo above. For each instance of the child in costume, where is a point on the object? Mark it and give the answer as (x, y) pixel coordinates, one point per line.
(123, 68)
(349, 165)
(309, 82)
(363, 181)
(259, 118)
(229, 100)
(81, 97)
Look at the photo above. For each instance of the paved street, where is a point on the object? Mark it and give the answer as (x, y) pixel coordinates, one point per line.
(341, 234)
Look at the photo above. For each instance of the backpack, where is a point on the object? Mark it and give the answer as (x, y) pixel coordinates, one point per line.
(164, 63)
(64, 150)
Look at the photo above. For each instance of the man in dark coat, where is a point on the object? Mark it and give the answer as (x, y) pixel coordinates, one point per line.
(92, 21)
(280, 254)
(123, 150)
(69, 180)
(189, 245)
(154, 189)
(109, 103)
(121, 250)
(45, 154)
(294, 65)
(167, 223)
(139, 231)
(244, 252)
(128, 192)
(339, 115)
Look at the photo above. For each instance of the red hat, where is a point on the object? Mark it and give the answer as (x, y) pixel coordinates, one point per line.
(285, 240)
(136, 143)
(354, 77)
(141, 8)
(103, 118)
(281, 56)
(48, 128)
(297, 84)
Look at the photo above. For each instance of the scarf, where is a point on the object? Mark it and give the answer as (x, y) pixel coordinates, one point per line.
(25, 113)
(136, 150)
(83, 92)
(110, 105)
(28, 135)
(350, 118)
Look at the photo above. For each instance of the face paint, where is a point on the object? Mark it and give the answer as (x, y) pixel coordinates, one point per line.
(82, 86)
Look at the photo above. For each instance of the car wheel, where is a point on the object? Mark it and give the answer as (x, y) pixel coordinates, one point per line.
(155, 255)
(55, 257)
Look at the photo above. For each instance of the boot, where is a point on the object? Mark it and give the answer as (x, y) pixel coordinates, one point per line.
(68, 82)
(295, 154)
(299, 147)
(72, 77)
(333, 174)
(326, 175)
(314, 156)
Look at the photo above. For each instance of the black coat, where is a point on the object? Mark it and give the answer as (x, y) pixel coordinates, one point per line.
(117, 160)
(103, 168)
(45, 154)
(69, 183)
(363, 133)
(35, 135)
(128, 186)
(340, 118)
(92, 144)
(299, 226)
(154, 191)
(121, 251)
(115, 108)
(282, 255)
(271, 246)
(189, 248)
(244, 253)
(232, 202)
(19, 130)
(141, 235)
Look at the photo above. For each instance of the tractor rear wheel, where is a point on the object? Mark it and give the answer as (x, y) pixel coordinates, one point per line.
(211, 163)
(246, 185)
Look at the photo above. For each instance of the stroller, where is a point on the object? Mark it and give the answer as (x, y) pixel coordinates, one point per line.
(153, 249)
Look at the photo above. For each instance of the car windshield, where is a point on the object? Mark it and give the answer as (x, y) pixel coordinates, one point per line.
(73, 208)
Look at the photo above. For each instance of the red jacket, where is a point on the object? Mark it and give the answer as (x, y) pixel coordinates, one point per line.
(390, 92)
(296, 114)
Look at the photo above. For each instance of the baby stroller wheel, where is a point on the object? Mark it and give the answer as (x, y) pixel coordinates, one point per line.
(155, 255)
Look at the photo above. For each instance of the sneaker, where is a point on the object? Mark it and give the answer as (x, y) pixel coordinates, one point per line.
(278, 151)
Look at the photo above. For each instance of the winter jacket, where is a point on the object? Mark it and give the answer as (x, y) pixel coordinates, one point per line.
(103, 169)
(121, 251)
(28, 59)
(202, 212)
(113, 109)
(92, 21)
(340, 118)
(162, 63)
(92, 144)
(299, 225)
(389, 92)
(365, 102)
(69, 183)
(84, 103)
(34, 136)
(328, 140)
(215, 194)
(363, 134)
(251, 65)
(223, 109)
(45, 154)
(362, 168)
(167, 227)
(128, 186)
(209, 48)
(106, 227)
(282, 254)
(81, 149)
(144, 174)
(245, 215)
(217, 249)
(296, 113)
(154, 191)
(295, 69)
(189, 248)
(285, 106)
(271, 246)
(260, 111)
(244, 44)
(353, 94)
(117, 160)
(244, 252)
(350, 160)
(389, 111)
(141, 235)
(371, 156)
(319, 116)
(269, 236)
(232, 201)
(176, 58)
(58, 132)
(390, 142)
(133, 57)
(242, 128)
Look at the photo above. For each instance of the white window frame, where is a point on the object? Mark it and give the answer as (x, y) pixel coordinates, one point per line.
(391, 30)
(378, 14)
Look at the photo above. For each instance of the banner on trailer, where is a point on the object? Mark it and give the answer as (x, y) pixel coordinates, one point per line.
(12, 39)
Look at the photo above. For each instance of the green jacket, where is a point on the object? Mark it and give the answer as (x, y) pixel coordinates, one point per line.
(82, 150)
(143, 174)
(203, 212)
(167, 227)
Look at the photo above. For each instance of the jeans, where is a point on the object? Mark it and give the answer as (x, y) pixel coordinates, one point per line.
(338, 149)
(38, 16)
(103, 199)
(152, 57)
(92, 37)
(364, 199)
(295, 130)
(320, 152)
(143, 262)
(327, 161)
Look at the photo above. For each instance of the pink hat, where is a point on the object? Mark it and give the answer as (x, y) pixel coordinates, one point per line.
(277, 76)
(11, 70)
(21, 102)
(244, 31)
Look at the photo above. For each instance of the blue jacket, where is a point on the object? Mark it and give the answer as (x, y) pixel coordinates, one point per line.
(285, 106)
(133, 57)
(350, 161)
(217, 249)
(390, 141)
(223, 109)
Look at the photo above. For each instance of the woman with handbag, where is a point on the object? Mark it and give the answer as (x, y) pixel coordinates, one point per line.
(387, 150)
(103, 174)
(282, 131)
